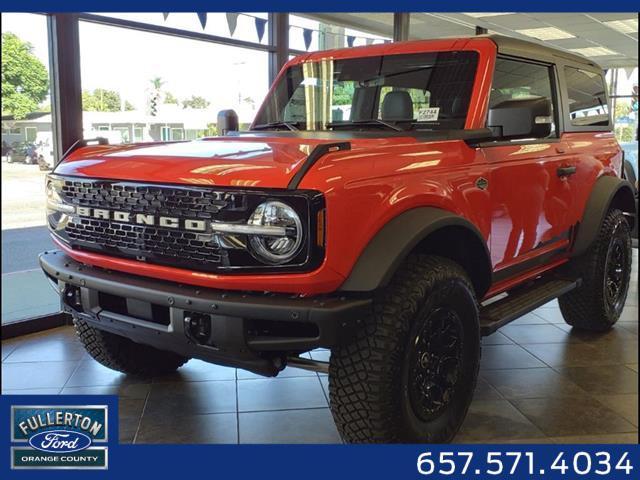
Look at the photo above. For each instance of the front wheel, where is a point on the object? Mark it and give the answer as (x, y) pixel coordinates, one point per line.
(410, 374)
(605, 271)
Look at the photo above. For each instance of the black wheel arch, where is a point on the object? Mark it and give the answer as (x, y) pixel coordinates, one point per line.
(607, 193)
(428, 230)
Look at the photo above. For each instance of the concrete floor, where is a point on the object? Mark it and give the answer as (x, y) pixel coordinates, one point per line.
(539, 382)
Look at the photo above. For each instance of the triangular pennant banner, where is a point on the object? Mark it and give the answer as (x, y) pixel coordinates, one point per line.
(369, 41)
(628, 71)
(165, 15)
(306, 33)
(203, 19)
(260, 25)
(232, 21)
(350, 40)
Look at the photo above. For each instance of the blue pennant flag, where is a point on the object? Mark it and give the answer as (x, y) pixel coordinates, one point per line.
(350, 40)
(307, 33)
(260, 25)
(203, 19)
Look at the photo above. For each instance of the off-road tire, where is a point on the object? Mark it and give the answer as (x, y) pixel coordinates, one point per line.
(586, 307)
(121, 354)
(368, 378)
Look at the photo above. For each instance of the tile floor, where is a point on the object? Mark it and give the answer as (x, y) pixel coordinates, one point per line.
(539, 382)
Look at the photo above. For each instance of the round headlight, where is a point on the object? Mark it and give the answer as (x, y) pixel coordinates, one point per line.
(284, 243)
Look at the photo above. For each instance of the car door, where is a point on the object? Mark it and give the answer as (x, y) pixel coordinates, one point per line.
(529, 178)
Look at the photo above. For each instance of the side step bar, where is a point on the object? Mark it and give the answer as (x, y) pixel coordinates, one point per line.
(520, 302)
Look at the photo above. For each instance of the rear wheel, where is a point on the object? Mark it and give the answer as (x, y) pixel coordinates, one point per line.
(605, 271)
(410, 375)
(121, 354)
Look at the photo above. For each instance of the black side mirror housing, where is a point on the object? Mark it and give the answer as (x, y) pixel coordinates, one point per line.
(521, 118)
(227, 122)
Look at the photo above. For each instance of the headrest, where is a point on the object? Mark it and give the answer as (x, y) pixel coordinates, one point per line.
(397, 105)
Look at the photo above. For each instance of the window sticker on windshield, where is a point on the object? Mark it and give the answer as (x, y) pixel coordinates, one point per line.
(428, 114)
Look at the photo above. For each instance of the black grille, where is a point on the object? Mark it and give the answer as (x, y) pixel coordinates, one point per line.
(171, 201)
(150, 243)
(162, 244)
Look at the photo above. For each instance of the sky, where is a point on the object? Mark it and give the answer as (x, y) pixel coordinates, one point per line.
(126, 60)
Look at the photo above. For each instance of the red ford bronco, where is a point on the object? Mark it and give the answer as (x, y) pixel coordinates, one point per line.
(393, 203)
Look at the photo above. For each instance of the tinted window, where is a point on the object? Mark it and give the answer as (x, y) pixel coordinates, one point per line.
(587, 99)
(431, 91)
(516, 80)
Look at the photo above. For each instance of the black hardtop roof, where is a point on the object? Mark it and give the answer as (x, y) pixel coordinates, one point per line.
(527, 49)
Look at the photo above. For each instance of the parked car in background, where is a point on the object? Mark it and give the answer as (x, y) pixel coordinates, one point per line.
(22, 152)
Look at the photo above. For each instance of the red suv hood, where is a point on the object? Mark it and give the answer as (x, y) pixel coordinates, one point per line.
(226, 161)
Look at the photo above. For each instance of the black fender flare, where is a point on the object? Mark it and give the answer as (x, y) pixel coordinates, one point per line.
(385, 252)
(608, 191)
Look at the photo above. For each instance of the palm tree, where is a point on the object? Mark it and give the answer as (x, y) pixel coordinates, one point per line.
(157, 83)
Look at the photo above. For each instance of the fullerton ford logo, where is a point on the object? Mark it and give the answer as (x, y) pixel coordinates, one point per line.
(60, 441)
(59, 436)
(144, 219)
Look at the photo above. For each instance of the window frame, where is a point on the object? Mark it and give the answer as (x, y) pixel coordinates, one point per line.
(27, 129)
(568, 125)
(556, 100)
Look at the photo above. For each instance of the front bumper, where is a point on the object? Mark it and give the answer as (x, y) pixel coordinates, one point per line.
(253, 331)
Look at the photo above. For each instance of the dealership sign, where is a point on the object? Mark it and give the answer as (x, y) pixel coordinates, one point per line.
(56, 436)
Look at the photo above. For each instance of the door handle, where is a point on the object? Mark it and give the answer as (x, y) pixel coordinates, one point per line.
(560, 150)
(566, 171)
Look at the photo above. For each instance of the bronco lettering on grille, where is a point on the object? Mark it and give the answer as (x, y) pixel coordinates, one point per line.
(190, 224)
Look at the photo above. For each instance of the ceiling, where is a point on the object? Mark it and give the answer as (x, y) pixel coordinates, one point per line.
(610, 39)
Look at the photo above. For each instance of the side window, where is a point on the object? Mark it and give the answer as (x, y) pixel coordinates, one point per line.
(587, 99)
(514, 79)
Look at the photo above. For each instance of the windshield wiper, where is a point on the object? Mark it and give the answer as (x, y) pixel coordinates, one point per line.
(271, 125)
(372, 121)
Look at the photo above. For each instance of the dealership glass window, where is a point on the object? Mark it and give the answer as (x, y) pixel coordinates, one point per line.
(177, 86)
(325, 36)
(27, 154)
(623, 83)
(586, 93)
(217, 23)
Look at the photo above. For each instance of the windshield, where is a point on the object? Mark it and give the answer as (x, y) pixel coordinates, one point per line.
(422, 91)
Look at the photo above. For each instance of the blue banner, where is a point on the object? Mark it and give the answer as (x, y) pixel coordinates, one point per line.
(553, 462)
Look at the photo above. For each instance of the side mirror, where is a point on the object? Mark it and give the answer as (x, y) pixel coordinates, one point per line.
(521, 118)
(227, 122)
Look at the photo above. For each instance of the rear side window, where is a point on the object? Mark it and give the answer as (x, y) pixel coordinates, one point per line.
(514, 79)
(587, 99)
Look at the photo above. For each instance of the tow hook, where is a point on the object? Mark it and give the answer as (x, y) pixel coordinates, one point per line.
(197, 327)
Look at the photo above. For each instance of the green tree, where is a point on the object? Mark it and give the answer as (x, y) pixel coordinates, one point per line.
(25, 80)
(170, 98)
(622, 109)
(102, 100)
(196, 102)
(343, 93)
